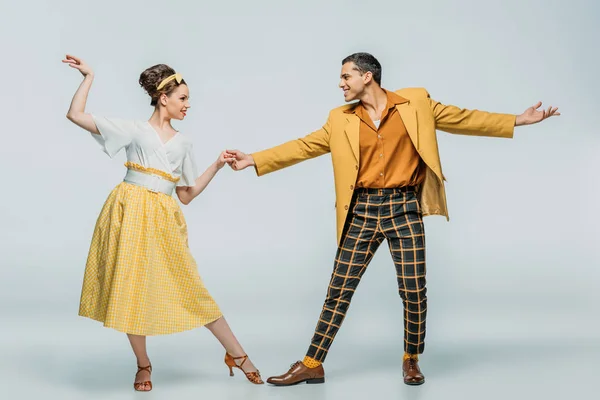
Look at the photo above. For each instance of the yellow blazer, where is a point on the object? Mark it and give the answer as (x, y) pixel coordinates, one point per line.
(421, 116)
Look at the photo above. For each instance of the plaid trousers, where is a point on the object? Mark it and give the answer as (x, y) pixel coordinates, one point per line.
(374, 215)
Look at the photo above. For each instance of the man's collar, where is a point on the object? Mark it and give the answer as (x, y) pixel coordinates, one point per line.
(393, 99)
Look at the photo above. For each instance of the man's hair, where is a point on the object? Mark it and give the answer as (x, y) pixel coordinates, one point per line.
(365, 62)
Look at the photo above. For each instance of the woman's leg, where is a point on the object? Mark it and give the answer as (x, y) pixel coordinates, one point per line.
(138, 344)
(220, 328)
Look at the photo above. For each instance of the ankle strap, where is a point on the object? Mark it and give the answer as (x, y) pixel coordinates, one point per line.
(244, 357)
(148, 368)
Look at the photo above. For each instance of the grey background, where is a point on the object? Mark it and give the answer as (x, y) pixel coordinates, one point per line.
(512, 278)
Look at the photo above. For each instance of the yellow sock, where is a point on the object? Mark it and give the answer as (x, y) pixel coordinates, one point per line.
(310, 362)
(413, 356)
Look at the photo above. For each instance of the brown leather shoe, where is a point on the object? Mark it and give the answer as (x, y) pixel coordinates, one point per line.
(299, 373)
(411, 372)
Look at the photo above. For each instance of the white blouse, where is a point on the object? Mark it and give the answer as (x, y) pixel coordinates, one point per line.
(145, 147)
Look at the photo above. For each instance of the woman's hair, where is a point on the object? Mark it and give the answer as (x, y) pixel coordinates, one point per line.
(153, 76)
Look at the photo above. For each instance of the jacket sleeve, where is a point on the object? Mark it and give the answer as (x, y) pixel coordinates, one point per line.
(461, 121)
(293, 152)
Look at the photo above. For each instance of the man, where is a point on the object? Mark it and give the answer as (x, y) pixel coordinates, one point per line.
(388, 176)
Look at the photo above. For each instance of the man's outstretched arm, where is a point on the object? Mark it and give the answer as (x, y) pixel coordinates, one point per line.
(461, 121)
(286, 154)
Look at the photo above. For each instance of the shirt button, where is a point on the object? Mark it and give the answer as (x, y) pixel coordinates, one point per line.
(351, 187)
(356, 166)
(345, 207)
(379, 136)
(381, 155)
(381, 174)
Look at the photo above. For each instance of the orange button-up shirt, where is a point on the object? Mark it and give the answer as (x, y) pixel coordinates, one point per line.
(388, 158)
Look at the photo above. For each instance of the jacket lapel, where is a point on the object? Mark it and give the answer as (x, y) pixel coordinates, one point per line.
(409, 117)
(352, 129)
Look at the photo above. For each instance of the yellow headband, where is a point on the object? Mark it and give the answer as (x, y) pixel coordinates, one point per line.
(177, 76)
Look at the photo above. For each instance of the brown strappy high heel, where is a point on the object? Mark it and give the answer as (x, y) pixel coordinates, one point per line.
(139, 386)
(253, 377)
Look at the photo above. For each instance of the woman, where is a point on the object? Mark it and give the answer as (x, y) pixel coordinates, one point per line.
(140, 276)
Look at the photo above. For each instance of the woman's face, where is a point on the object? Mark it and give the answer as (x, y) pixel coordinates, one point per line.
(177, 103)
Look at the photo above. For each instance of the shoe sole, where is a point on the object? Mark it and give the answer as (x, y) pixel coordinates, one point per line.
(415, 383)
(307, 381)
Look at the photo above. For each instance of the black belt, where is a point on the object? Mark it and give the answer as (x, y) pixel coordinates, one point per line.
(386, 191)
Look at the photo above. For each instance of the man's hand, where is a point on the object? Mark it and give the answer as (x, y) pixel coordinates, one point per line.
(241, 160)
(532, 115)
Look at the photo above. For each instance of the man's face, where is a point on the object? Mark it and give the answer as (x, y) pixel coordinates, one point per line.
(352, 82)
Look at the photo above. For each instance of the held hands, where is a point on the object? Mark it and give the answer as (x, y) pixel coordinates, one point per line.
(235, 159)
(240, 160)
(78, 64)
(224, 158)
(532, 115)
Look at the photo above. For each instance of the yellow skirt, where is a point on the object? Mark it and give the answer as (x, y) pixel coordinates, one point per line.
(140, 277)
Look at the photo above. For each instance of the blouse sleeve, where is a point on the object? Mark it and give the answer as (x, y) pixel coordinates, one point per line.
(115, 134)
(189, 169)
